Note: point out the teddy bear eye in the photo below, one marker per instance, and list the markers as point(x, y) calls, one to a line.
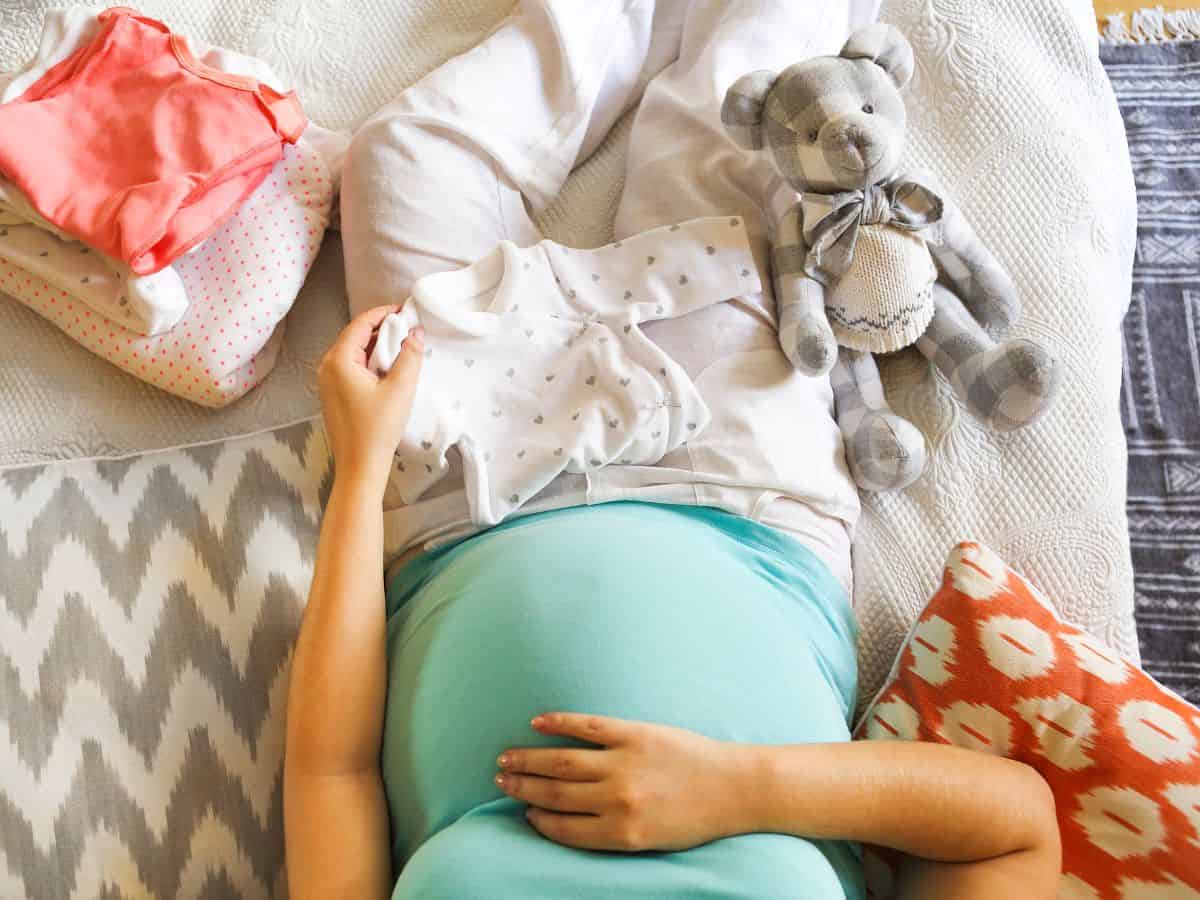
point(813, 135)
point(868, 108)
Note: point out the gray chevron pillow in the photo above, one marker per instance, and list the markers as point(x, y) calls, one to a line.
point(147, 612)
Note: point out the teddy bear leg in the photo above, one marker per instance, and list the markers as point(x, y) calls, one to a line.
point(1007, 385)
point(884, 451)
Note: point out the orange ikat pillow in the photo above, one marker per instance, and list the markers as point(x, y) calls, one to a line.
point(991, 667)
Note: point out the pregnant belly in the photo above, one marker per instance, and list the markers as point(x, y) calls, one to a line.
point(640, 612)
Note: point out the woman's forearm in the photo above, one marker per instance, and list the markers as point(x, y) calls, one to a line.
point(334, 809)
point(928, 800)
point(339, 672)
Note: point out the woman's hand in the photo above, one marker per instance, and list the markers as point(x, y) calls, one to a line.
point(365, 415)
point(970, 824)
point(649, 787)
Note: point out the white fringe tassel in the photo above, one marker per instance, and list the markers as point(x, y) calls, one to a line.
point(1153, 26)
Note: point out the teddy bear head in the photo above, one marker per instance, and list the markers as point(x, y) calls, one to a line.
point(831, 123)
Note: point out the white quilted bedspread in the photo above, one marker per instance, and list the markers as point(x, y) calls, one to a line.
point(1009, 106)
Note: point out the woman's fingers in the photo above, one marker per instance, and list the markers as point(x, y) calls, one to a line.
point(356, 336)
point(585, 832)
point(595, 729)
point(568, 765)
point(549, 793)
point(402, 377)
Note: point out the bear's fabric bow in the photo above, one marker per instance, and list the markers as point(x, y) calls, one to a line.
point(831, 221)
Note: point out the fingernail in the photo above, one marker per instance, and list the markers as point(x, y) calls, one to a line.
point(538, 721)
point(503, 760)
point(499, 779)
point(417, 336)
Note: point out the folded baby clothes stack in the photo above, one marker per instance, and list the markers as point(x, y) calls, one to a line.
point(148, 304)
point(160, 201)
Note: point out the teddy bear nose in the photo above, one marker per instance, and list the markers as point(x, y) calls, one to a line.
point(860, 146)
point(856, 146)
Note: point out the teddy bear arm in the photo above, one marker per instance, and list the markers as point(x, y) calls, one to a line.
point(971, 270)
point(804, 332)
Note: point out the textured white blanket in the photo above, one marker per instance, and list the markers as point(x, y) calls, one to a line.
point(1009, 106)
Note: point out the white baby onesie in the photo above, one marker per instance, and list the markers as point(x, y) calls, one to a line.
point(535, 363)
point(147, 304)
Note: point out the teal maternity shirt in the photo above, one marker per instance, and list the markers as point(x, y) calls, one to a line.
point(679, 615)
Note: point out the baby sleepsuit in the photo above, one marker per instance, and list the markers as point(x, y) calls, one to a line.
point(536, 364)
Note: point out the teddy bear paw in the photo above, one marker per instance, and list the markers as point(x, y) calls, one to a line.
point(885, 452)
point(810, 346)
point(1012, 385)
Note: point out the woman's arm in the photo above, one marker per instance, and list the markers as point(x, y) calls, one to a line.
point(335, 816)
point(976, 826)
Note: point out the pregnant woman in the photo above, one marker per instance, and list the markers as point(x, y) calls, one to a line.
point(648, 697)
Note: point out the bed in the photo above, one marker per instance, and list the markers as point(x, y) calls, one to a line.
point(154, 556)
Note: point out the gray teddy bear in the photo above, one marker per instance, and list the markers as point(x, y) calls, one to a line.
point(866, 260)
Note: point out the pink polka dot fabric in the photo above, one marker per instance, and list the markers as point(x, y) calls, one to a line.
point(241, 282)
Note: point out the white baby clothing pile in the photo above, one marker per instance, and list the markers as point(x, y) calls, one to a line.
point(536, 363)
point(147, 304)
point(208, 326)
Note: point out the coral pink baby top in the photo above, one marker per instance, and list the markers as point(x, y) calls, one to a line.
point(134, 147)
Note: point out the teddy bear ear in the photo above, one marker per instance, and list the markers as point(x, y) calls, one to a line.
point(886, 47)
point(742, 110)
